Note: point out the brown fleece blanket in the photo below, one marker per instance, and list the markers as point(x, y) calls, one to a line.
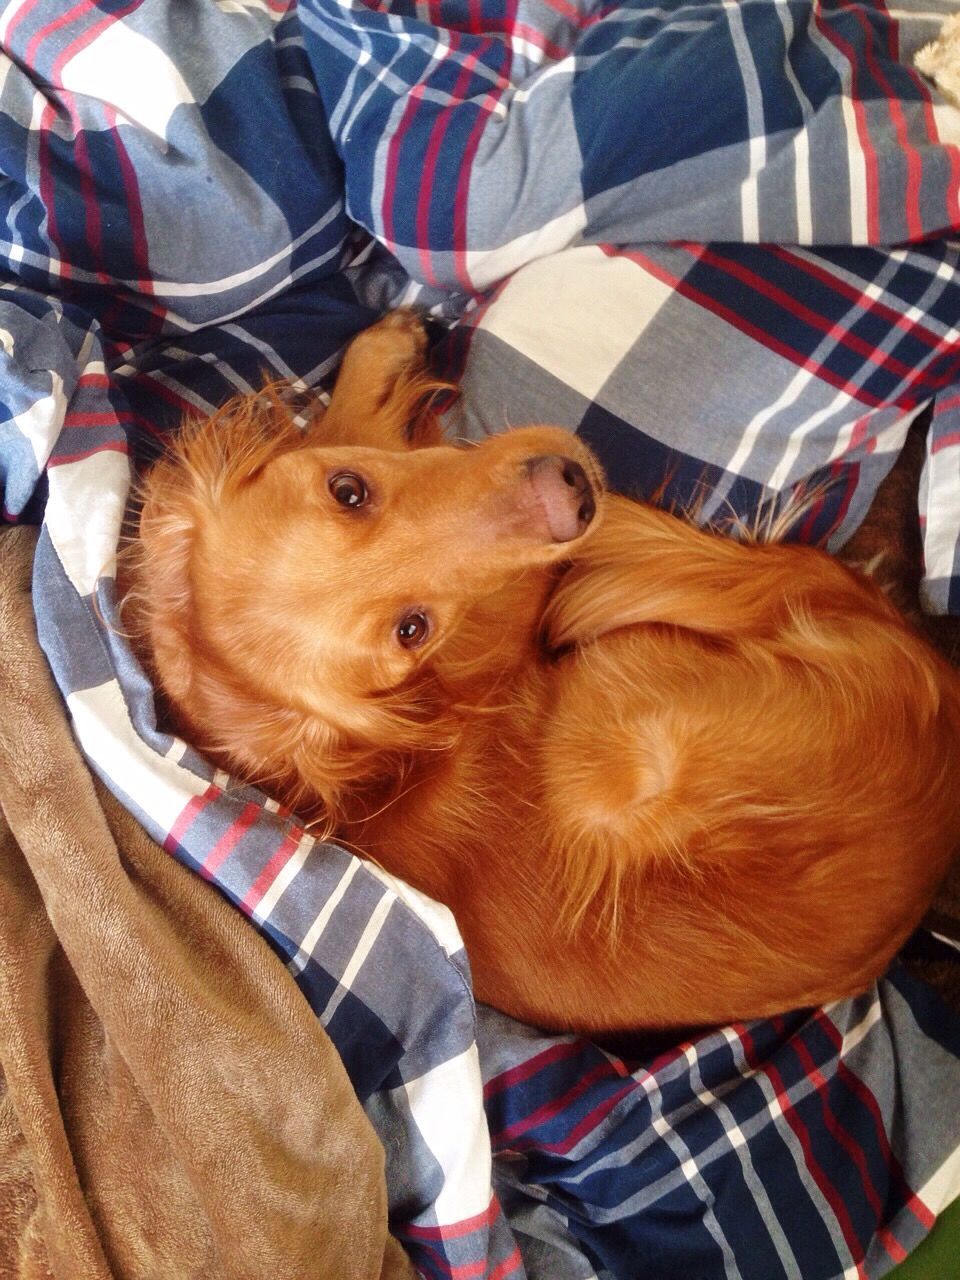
point(169, 1106)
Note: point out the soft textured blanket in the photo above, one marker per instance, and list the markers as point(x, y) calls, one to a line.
point(169, 1106)
point(178, 180)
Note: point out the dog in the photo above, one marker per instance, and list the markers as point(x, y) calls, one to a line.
point(663, 778)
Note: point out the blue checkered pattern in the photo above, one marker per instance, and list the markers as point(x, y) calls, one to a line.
point(198, 194)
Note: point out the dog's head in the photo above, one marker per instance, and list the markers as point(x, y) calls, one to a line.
point(286, 586)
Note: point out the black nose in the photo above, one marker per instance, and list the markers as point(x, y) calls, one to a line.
point(575, 476)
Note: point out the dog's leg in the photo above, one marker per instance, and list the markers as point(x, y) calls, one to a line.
point(380, 390)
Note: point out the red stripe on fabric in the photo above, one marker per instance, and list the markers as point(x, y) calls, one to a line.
point(88, 37)
point(441, 1234)
point(510, 1266)
point(270, 872)
point(853, 479)
point(863, 133)
point(530, 35)
point(547, 1110)
point(131, 189)
point(163, 392)
point(892, 1245)
point(882, 309)
point(851, 473)
point(565, 10)
point(472, 1270)
point(590, 20)
point(945, 442)
point(437, 134)
point(454, 1230)
point(799, 309)
point(63, 20)
point(580, 1130)
point(25, 8)
point(859, 434)
point(733, 318)
point(112, 446)
point(827, 1189)
point(191, 810)
point(911, 1200)
point(93, 226)
point(944, 406)
point(105, 419)
point(229, 840)
point(838, 1132)
point(462, 194)
point(93, 380)
point(393, 165)
point(914, 166)
point(516, 1075)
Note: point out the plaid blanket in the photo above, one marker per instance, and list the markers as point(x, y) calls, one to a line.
point(197, 193)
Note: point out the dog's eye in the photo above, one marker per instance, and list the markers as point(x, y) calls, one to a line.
point(347, 489)
point(413, 630)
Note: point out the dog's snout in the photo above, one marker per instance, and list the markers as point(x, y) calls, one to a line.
point(564, 494)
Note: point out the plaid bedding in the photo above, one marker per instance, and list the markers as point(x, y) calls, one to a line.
point(201, 191)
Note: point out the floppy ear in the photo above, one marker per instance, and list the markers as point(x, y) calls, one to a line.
point(383, 391)
point(210, 458)
point(647, 566)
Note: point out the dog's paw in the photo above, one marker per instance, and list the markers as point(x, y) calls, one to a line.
point(397, 343)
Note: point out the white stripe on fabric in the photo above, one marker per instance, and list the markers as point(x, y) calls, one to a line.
point(446, 1105)
point(791, 1142)
point(371, 933)
point(749, 196)
point(160, 787)
point(944, 1187)
point(788, 397)
point(690, 1171)
point(852, 1036)
point(284, 879)
point(856, 161)
point(299, 962)
point(739, 1143)
point(487, 266)
point(438, 918)
point(940, 484)
point(801, 141)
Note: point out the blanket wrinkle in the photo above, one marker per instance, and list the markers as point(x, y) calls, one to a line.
point(169, 1106)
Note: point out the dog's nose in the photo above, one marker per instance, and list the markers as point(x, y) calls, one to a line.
point(564, 493)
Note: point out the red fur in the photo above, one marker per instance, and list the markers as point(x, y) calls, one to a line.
point(661, 777)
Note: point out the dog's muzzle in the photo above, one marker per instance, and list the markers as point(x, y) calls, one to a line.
point(565, 495)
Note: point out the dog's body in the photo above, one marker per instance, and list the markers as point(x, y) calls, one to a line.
point(662, 778)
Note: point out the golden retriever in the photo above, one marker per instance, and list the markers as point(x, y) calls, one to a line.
point(663, 778)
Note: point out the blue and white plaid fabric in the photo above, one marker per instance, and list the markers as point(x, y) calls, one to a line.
point(201, 192)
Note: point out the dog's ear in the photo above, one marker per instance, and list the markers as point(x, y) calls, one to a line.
point(647, 567)
point(383, 394)
point(213, 456)
point(210, 458)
